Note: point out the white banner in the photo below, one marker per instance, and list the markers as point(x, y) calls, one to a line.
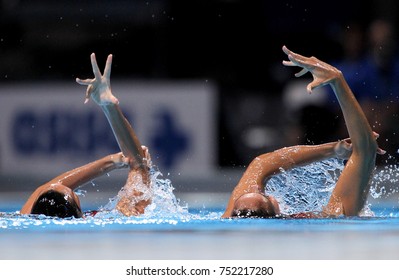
point(46, 128)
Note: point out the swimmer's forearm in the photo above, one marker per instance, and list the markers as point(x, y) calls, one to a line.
point(124, 134)
point(270, 164)
point(88, 172)
point(290, 157)
point(359, 129)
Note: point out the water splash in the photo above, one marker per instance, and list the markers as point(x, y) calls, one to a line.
point(385, 182)
point(307, 188)
point(299, 190)
point(163, 201)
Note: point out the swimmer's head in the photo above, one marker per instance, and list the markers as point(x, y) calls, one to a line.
point(53, 203)
point(255, 205)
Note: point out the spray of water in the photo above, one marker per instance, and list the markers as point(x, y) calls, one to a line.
point(299, 190)
point(163, 201)
point(385, 183)
point(307, 188)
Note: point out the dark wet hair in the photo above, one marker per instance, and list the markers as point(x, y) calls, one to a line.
point(56, 204)
point(251, 213)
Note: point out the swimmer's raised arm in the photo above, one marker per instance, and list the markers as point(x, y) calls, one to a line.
point(131, 201)
point(353, 185)
point(99, 89)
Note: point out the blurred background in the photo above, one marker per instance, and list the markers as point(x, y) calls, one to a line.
point(201, 81)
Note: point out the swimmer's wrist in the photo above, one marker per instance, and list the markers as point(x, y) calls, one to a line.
point(338, 80)
point(118, 160)
point(330, 150)
point(140, 166)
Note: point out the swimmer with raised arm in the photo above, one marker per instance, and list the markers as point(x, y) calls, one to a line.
point(57, 198)
point(248, 198)
point(136, 194)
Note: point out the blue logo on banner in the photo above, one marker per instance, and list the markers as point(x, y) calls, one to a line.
point(61, 132)
point(65, 132)
point(169, 141)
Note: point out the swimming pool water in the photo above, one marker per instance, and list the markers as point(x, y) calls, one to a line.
point(172, 231)
point(203, 235)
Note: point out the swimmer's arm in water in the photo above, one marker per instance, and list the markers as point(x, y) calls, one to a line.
point(78, 176)
point(267, 165)
point(99, 89)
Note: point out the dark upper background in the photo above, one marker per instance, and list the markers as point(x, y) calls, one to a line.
point(235, 43)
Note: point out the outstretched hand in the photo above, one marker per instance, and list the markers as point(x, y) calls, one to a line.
point(322, 72)
point(120, 160)
point(99, 88)
point(343, 148)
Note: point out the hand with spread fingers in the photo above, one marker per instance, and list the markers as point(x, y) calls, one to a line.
point(322, 72)
point(99, 88)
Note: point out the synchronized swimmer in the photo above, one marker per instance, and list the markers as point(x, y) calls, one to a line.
point(248, 199)
point(56, 197)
